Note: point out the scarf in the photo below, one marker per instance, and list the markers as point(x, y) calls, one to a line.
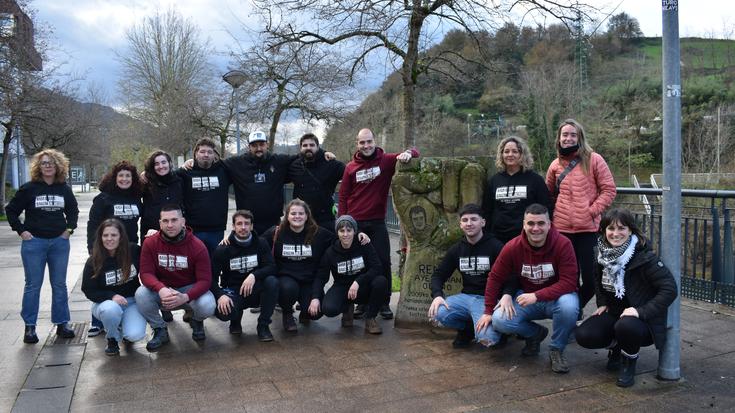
point(614, 260)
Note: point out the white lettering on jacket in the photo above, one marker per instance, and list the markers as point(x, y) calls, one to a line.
point(125, 211)
point(296, 252)
point(244, 264)
point(114, 277)
point(205, 183)
point(474, 265)
point(50, 202)
point(351, 267)
point(538, 274)
point(367, 175)
point(173, 262)
point(511, 194)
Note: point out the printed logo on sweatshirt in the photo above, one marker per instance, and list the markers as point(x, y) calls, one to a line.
point(511, 194)
point(474, 265)
point(259, 178)
point(173, 262)
point(367, 175)
point(351, 267)
point(115, 277)
point(538, 274)
point(608, 284)
point(125, 211)
point(50, 202)
point(296, 252)
point(205, 183)
point(244, 264)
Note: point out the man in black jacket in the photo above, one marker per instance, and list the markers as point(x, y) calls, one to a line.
point(244, 277)
point(473, 256)
point(315, 179)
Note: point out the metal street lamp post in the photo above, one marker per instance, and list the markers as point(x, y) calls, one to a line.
point(236, 78)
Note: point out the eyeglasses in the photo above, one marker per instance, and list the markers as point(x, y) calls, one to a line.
point(47, 163)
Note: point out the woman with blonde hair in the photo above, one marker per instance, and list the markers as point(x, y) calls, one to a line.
point(51, 214)
point(581, 188)
point(512, 189)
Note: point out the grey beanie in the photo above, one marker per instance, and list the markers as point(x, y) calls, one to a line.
point(345, 218)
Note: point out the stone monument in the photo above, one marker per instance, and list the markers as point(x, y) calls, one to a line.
point(427, 193)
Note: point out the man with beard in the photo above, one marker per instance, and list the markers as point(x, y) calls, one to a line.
point(205, 194)
point(314, 180)
point(364, 195)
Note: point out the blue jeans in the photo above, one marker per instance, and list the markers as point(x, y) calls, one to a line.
point(36, 253)
point(563, 311)
point(149, 305)
point(211, 240)
point(116, 318)
point(464, 308)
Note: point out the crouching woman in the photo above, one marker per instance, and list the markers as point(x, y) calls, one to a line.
point(357, 278)
point(634, 290)
point(109, 280)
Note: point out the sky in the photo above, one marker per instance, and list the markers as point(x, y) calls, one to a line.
point(88, 34)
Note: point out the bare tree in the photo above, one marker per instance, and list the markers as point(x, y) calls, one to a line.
point(304, 79)
point(164, 69)
point(365, 27)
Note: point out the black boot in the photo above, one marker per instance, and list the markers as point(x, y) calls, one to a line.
point(197, 330)
point(112, 349)
point(160, 337)
point(626, 377)
point(63, 331)
point(30, 336)
point(613, 359)
point(464, 336)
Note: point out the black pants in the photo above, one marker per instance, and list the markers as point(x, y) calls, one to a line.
point(378, 233)
point(264, 295)
point(599, 331)
point(290, 291)
point(584, 244)
point(335, 300)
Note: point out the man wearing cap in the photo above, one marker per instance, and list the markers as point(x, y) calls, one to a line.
point(363, 194)
point(314, 180)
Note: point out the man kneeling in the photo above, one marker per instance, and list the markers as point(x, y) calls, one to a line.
point(175, 271)
point(472, 255)
point(543, 261)
point(244, 277)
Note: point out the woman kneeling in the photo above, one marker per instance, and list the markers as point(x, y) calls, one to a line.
point(357, 278)
point(110, 279)
point(634, 290)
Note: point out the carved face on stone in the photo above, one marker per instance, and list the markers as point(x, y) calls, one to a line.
point(418, 218)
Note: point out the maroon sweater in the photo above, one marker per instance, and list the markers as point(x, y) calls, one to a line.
point(549, 271)
point(365, 184)
point(166, 264)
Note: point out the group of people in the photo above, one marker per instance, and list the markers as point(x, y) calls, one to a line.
point(518, 269)
point(521, 268)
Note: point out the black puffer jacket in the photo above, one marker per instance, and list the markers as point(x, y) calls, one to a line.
point(649, 288)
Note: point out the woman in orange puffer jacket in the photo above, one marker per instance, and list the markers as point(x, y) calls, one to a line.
point(581, 188)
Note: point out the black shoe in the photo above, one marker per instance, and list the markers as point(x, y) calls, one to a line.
point(255, 310)
point(197, 330)
point(626, 377)
point(348, 317)
point(359, 311)
point(558, 361)
point(112, 348)
point(187, 315)
point(94, 331)
point(289, 323)
point(30, 336)
point(63, 331)
point(533, 343)
point(264, 333)
point(613, 359)
point(167, 316)
point(385, 312)
point(465, 336)
point(235, 327)
point(160, 337)
point(304, 318)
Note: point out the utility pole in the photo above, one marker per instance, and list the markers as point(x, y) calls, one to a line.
point(669, 356)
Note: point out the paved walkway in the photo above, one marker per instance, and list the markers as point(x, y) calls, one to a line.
point(327, 368)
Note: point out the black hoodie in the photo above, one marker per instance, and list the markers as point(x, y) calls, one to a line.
point(472, 261)
point(314, 183)
point(293, 256)
point(49, 209)
point(108, 282)
point(233, 263)
point(258, 185)
point(205, 197)
point(165, 190)
point(358, 263)
point(120, 204)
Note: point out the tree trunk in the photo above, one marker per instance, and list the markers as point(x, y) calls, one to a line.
point(4, 163)
point(409, 74)
point(276, 118)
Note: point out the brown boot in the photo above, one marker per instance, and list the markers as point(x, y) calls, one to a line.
point(348, 316)
point(372, 327)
